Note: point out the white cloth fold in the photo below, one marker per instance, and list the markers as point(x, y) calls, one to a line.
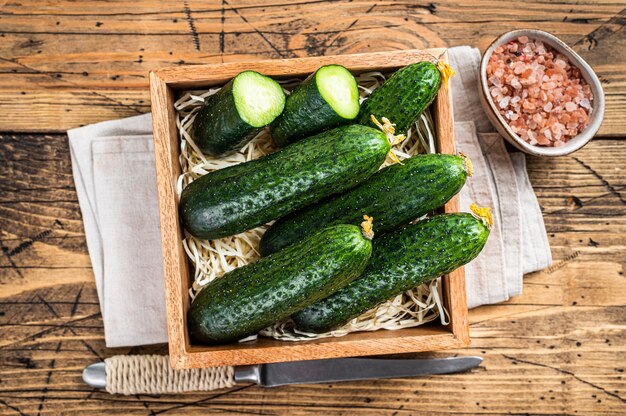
point(113, 167)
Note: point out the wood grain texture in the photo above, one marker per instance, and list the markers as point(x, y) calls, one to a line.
point(68, 63)
point(557, 349)
point(165, 84)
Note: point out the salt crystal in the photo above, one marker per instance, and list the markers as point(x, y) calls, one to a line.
point(542, 140)
point(528, 105)
point(570, 106)
point(547, 133)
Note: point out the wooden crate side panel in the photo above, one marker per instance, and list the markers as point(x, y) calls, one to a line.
point(427, 338)
point(175, 264)
point(209, 75)
point(454, 283)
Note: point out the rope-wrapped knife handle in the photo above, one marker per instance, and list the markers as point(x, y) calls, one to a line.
point(152, 374)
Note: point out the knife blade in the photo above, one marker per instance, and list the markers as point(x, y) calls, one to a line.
point(323, 371)
point(349, 369)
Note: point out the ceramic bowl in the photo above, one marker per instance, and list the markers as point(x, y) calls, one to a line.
point(500, 123)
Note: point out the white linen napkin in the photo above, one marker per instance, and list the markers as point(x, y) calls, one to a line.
point(114, 172)
point(113, 167)
point(518, 223)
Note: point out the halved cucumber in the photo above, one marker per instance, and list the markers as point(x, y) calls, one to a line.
point(236, 113)
point(326, 99)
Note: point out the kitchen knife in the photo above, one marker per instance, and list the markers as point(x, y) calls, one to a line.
point(279, 374)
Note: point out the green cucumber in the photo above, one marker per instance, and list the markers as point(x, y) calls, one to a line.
point(326, 99)
point(403, 97)
point(393, 196)
point(235, 114)
point(400, 261)
point(252, 297)
point(234, 199)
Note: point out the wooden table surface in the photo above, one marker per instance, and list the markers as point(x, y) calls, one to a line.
point(560, 348)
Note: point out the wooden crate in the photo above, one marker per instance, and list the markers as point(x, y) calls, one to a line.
point(165, 84)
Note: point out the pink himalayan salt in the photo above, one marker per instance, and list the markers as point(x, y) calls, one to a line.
point(542, 96)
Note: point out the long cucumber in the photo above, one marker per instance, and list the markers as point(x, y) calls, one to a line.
point(403, 97)
point(231, 200)
point(252, 297)
point(400, 261)
point(393, 196)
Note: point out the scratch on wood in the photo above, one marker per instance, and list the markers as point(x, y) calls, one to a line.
point(587, 202)
point(14, 408)
point(606, 183)
point(562, 263)
point(257, 31)
point(603, 31)
point(347, 28)
point(14, 267)
point(29, 242)
point(201, 401)
point(67, 325)
point(569, 373)
point(192, 26)
point(76, 301)
point(52, 365)
point(222, 32)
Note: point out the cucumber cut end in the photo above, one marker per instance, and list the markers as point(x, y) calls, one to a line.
point(339, 89)
point(259, 99)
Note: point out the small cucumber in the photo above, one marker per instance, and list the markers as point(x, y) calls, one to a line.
point(403, 97)
point(235, 114)
point(401, 261)
point(326, 99)
point(231, 200)
point(252, 297)
point(393, 196)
